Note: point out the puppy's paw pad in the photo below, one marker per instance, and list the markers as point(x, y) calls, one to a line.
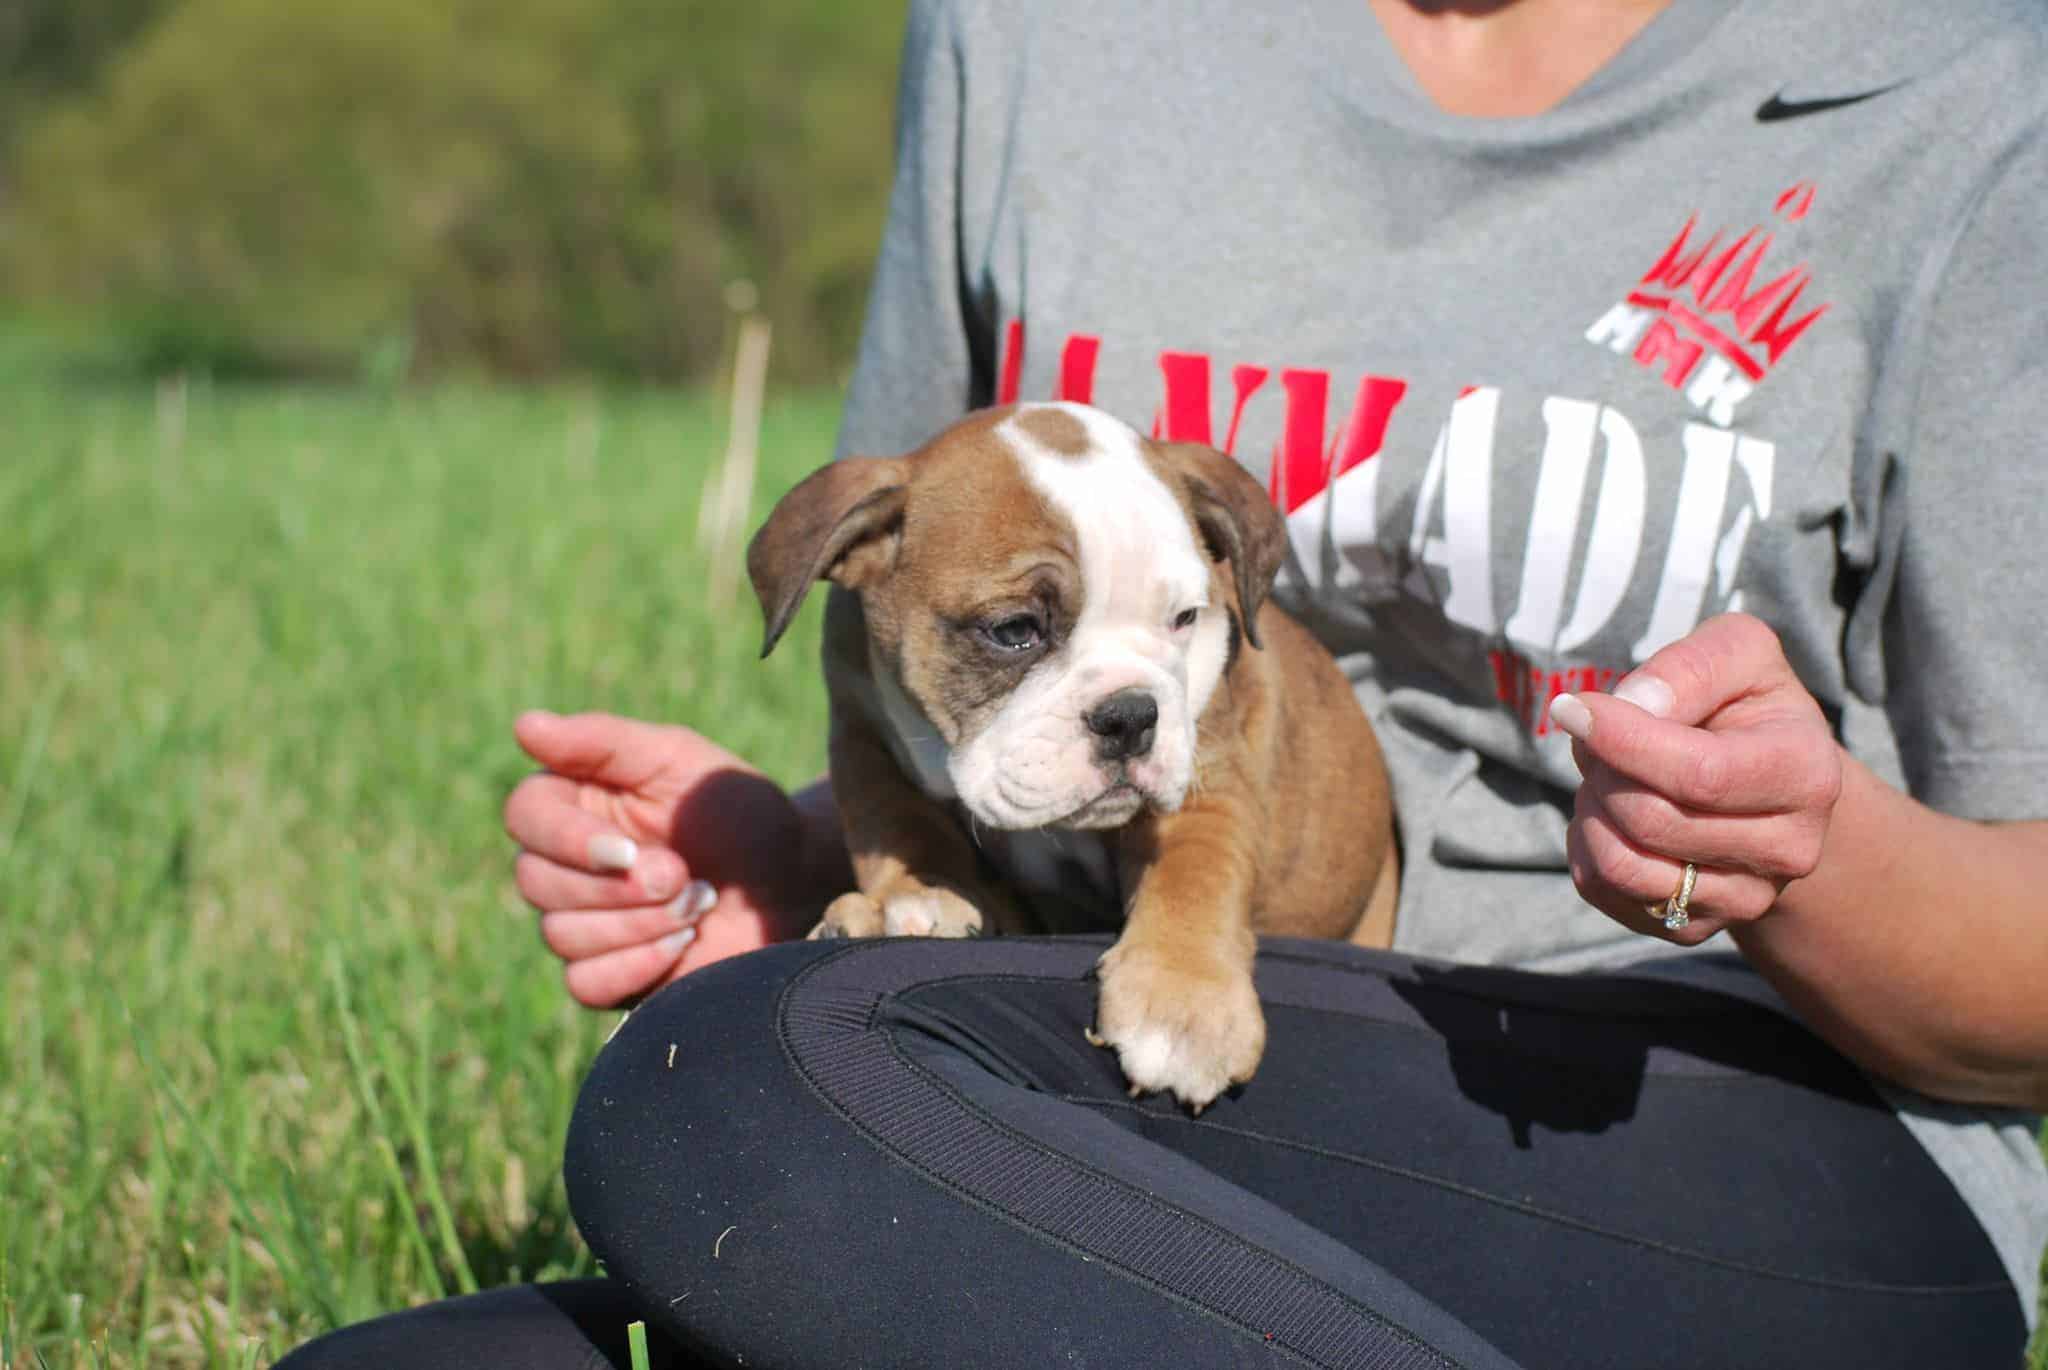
point(911, 915)
point(930, 913)
point(850, 915)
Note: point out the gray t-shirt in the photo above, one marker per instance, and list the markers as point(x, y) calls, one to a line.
point(1757, 318)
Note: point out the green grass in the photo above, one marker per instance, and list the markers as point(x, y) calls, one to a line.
point(280, 1048)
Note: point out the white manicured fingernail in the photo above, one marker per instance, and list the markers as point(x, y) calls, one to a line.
point(698, 898)
point(611, 852)
point(673, 944)
point(1570, 713)
point(1647, 693)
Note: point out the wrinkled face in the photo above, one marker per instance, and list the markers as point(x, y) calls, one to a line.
point(1052, 628)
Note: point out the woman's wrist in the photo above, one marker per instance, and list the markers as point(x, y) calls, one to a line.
point(1915, 946)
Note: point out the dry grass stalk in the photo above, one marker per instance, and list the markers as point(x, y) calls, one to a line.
point(723, 517)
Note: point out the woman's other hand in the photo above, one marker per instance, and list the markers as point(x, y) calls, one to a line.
point(651, 851)
point(1710, 752)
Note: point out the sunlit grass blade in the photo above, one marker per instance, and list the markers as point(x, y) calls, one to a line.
point(636, 1343)
point(6, 1294)
point(380, 1133)
point(252, 1223)
point(23, 783)
point(414, 1117)
point(306, 1232)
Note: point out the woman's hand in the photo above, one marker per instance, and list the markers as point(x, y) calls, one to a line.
point(1910, 939)
point(1710, 752)
point(650, 851)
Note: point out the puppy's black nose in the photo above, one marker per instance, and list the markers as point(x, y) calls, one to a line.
point(1124, 723)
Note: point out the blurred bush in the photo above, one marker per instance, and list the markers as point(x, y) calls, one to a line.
point(50, 48)
point(399, 186)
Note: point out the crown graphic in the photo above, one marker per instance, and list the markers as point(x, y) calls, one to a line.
point(1709, 291)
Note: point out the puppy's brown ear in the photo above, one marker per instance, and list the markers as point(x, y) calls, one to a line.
point(839, 523)
point(1236, 520)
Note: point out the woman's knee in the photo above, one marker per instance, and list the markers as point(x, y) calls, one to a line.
point(693, 1077)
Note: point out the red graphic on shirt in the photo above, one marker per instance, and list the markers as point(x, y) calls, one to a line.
point(1701, 318)
point(1303, 464)
point(1527, 689)
point(1795, 200)
point(1593, 516)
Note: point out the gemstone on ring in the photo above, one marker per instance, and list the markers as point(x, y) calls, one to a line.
point(1674, 911)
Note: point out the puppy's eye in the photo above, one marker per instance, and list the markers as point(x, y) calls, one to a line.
point(1017, 633)
point(1185, 619)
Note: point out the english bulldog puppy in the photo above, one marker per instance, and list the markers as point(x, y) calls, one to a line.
point(1060, 700)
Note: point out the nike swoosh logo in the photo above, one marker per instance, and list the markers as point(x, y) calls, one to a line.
point(1778, 108)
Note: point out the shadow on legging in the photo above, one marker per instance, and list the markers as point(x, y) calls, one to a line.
point(1581, 1068)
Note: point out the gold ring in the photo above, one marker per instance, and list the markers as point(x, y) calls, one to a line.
point(1673, 910)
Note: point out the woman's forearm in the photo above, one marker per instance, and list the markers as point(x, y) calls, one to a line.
point(1919, 946)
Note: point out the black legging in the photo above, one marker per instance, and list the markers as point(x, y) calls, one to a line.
point(904, 1153)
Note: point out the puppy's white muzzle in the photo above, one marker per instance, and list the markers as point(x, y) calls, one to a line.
point(1078, 748)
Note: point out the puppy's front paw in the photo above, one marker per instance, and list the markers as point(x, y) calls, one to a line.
point(1178, 1022)
point(929, 912)
point(919, 911)
point(852, 914)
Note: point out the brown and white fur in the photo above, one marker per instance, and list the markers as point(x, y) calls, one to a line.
point(1060, 700)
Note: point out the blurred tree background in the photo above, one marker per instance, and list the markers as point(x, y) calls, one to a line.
point(413, 187)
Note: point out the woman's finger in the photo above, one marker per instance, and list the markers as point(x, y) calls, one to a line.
point(1770, 767)
point(1779, 846)
point(580, 934)
point(618, 976)
point(606, 749)
point(1727, 658)
point(552, 887)
point(1625, 883)
point(543, 815)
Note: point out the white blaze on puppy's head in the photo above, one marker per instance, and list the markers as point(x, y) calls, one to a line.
point(1104, 723)
point(1039, 612)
